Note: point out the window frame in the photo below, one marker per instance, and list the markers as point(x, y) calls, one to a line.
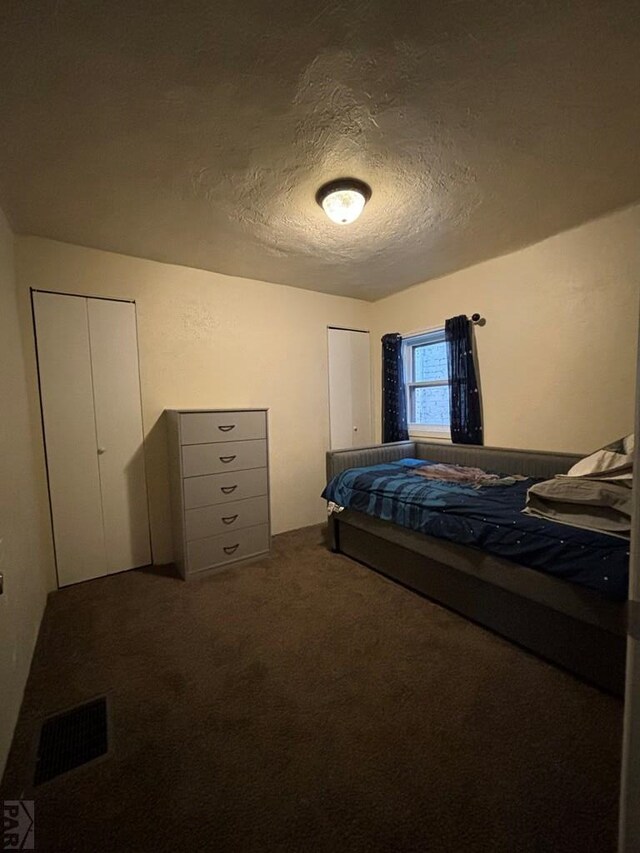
point(409, 343)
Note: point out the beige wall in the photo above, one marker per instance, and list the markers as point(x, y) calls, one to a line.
point(214, 340)
point(557, 353)
point(26, 559)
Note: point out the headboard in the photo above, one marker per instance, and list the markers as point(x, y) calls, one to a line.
point(530, 463)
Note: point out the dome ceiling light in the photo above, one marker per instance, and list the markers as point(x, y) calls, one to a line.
point(343, 200)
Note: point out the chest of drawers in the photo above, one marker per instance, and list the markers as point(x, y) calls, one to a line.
point(219, 473)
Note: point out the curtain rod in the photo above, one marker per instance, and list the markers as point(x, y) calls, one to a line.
point(476, 319)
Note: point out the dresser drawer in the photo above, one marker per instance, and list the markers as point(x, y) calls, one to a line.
point(222, 488)
point(199, 459)
point(205, 427)
point(236, 545)
point(213, 520)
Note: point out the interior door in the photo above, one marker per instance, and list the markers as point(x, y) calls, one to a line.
point(351, 423)
point(90, 393)
point(66, 392)
point(116, 393)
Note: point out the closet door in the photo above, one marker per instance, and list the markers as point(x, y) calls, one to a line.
point(361, 389)
point(90, 392)
point(349, 388)
point(116, 391)
point(64, 366)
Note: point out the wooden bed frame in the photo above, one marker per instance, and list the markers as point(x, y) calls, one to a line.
point(567, 624)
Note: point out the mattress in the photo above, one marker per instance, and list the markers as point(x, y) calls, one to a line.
point(489, 518)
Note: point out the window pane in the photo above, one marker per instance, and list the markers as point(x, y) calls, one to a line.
point(430, 362)
point(431, 405)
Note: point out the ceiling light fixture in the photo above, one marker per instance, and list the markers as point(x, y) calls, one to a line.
point(343, 200)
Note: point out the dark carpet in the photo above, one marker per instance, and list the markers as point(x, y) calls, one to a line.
point(305, 703)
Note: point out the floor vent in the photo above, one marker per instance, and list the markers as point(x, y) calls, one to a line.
point(71, 739)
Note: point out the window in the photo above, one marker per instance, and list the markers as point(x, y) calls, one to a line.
point(427, 383)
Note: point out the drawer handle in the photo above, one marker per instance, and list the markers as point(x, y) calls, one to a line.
point(226, 490)
point(226, 427)
point(226, 459)
point(229, 519)
point(230, 549)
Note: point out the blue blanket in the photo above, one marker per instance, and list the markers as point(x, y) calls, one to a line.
point(489, 518)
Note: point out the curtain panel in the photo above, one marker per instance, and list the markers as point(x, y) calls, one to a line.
point(464, 401)
point(394, 403)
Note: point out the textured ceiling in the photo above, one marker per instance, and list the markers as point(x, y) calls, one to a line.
point(198, 132)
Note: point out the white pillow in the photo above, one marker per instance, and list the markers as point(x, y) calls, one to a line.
point(612, 462)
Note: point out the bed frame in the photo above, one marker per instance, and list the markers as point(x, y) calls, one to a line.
point(567, 624)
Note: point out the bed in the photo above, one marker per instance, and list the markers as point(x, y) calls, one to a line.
point(556, 590)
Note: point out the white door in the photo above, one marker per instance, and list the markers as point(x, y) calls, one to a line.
point(90, 393)
point(66, 392)
point(349, 388)
point(116, 392)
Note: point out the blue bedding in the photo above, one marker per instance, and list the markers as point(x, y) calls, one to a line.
point(489, 518)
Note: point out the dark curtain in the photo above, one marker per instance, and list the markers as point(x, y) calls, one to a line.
point(394, 404)
point(464, 396)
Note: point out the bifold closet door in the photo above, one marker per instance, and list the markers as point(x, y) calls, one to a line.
point(66, 392)
point(349, 388)
point(116, 393)
point(89, 387)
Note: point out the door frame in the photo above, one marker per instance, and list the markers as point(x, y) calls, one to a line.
point(33, 290)
point(629, 814)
